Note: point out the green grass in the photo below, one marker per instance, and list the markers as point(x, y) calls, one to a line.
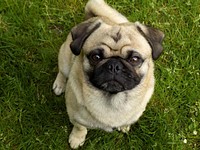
point(32, 117)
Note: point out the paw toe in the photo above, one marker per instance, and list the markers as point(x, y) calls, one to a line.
point(124, 129)
point(76, 142)
point(58, 88)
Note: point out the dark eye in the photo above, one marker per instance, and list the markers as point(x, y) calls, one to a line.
point(96, 57)
point(135, 60)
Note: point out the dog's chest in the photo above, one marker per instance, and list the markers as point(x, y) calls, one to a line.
point(116, 112)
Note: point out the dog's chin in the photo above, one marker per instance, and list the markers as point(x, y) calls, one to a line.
point(112, 87)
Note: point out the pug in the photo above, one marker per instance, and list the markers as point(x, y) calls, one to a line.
point(106, 70)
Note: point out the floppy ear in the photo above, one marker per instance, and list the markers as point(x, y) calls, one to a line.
point(80, 33)
point(154, 38)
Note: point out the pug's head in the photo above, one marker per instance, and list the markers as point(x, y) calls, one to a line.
point(116, 57)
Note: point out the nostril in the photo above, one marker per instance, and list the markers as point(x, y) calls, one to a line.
point(115, 68)
point(111, 68)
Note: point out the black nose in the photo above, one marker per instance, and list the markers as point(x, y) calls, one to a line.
point(114, 66)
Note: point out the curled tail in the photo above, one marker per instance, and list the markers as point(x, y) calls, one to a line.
point(100, 8)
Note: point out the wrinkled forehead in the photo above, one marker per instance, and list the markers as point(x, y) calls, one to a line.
point(117, 40)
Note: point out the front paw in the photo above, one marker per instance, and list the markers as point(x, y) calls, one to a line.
point(77, 138)
point(59, 84)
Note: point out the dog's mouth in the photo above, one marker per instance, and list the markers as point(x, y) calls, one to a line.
point(112, 86)
point(114, 76)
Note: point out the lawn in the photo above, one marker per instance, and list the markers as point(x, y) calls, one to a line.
point(33, 118)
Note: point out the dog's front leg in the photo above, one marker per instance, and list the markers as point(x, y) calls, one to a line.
point(59, 84)
point(65, 59)
point(77, 136)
